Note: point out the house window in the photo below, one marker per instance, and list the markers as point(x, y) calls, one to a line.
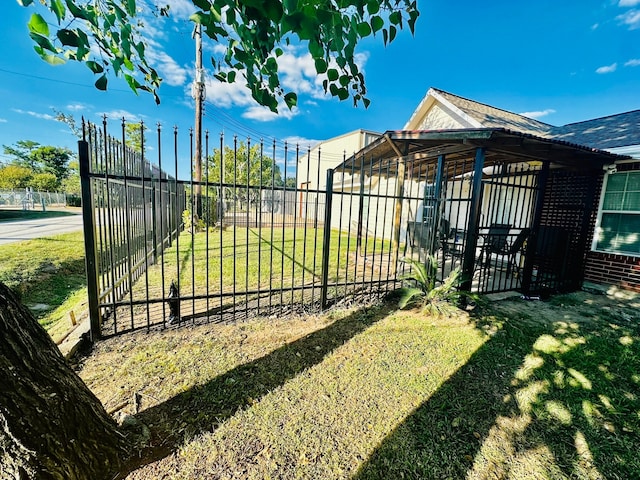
point(619, 219)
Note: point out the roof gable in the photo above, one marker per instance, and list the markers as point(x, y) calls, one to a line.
point(440, 110)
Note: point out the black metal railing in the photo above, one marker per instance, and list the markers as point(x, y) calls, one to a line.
point(272, 229)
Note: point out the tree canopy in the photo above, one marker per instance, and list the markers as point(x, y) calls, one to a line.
point(108, 37)
point(241, 162)
point(43, 167)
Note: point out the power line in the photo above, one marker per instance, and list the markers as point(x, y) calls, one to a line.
point(37, 77)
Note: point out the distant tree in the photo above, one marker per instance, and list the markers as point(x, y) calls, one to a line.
point(21, 153)
point(290, 182)
point(134, 135)
point(71, 185)
point(40, 158)
point(54, 160)
point(14, 177)
point(44, 182)
point(261, 169)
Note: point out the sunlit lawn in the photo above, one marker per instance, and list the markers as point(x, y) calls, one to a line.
point(48, 273)
point(524, 390)
point(256, 258)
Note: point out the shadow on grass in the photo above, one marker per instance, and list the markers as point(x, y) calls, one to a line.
point(204, 407)
point(12, 215)
point(547, 400)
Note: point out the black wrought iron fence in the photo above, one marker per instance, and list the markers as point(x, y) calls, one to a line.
point(268, 231)
point(253, 236)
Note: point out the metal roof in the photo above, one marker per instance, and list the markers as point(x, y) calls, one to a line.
point(420, 148)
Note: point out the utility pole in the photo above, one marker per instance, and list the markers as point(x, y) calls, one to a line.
point(199, 96)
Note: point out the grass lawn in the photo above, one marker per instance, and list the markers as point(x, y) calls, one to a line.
point(49, 275)
point(520, 390)
point(241, 260)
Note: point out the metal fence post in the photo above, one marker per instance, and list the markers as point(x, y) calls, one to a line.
point(89, 240)
point(469, 255)
point(326, 240)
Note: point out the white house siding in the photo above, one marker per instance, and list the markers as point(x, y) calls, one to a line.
point(312, 167)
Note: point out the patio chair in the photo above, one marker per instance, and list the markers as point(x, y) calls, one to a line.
point(495, 242)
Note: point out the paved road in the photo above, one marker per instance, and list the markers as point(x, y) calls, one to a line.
point(19, 230)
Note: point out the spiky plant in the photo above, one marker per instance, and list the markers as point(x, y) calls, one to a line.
point(423, 291)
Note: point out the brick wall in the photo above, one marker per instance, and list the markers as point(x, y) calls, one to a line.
point(612, 269)
point(608, 268)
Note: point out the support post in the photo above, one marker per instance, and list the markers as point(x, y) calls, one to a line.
point(91, 266)
point(527, 271)
point(360, 214)
point(326, 248)
point(469, 254)
point(397, 217)
point(437, 207)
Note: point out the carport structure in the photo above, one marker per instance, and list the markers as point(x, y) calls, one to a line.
point(513, 211)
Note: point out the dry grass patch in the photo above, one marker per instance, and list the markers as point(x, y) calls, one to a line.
point(521, 390)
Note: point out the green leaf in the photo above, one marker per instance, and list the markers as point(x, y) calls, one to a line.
point(343, 93)
point(376, 23)
point(50, 59)
point(332, 74)
point(321, 65)
point(373, 7)
point(133, 83)
point(291, 99)
point(392, 33)
point(408, 296)
point(38, 25)
point(94, 67)
point(25, 3)
point(43, 42)
point(67, 37)
point(395, 18)
point(364, 30)
point(231, 76)
point(199, 17)
point(290, 5)
point(131, 7)
point(75, 10)
point(101, 83)
point(203, 5)
point(366, 102)
point(58, 9)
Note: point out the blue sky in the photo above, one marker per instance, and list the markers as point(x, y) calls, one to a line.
point(558, 61)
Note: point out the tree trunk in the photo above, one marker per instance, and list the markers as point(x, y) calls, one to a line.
point(51, 425)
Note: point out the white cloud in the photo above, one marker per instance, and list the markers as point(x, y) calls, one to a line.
point(43, 116)
point(120, 114)
point(263, 114)
point(607, 68)
point(170, 71)
point(76, 107)
point(3, 120)
point(297, 73)
point(539, 113)
point(634, 62)
point(628, 3)
point(630, 19)
point(595, 26)
point(180, 8)
point(302, 142)
point(227, 95)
